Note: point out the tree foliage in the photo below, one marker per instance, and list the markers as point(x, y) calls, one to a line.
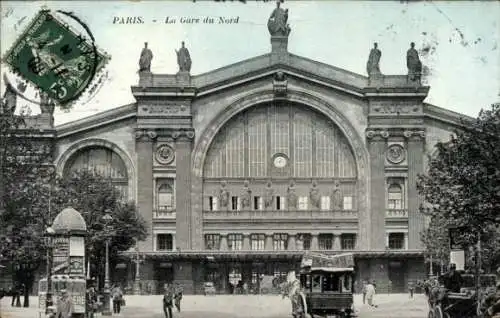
point(462, 187)
point(32, 194)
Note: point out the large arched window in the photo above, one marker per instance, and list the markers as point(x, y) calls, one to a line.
point(311, 145)
point(103, 161)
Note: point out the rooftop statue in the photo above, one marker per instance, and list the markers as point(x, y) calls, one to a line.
point(372, 66)
point(183, 59)
point(277, 23)
point(413, 63)
point(145, 59)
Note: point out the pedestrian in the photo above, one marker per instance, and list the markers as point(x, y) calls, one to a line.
point(178, 296)
point(117, 299)
point(411, 289)
point(363, 290)
point(91, 303)
point(370, 293)
point(168, 300)
point(65, 306)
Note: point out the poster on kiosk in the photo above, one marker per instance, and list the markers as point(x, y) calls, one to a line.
point(457, 252)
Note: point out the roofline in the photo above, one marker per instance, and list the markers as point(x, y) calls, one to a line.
point(446, 116)
point(97, 120)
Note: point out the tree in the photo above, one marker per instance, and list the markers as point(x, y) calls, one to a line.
point(462, 187)
point(94, 196)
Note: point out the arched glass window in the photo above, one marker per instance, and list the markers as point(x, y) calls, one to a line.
point(102, 161)
point(166, 197)
point(395, 197)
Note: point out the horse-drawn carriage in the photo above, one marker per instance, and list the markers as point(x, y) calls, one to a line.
point(469, 303)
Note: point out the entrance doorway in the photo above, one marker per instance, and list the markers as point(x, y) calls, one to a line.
point(164, 274)
point(397, 271)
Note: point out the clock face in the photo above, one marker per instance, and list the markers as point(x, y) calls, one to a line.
point(280, 161)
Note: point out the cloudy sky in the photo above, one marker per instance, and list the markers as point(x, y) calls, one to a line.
point(461, 41)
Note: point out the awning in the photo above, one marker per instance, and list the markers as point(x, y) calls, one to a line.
point(263, 256)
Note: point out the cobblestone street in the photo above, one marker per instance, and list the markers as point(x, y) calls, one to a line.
point(393, 306)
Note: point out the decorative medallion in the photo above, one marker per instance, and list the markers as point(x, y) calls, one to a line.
point(396, 154)
point(280, 160)
point(165, 154)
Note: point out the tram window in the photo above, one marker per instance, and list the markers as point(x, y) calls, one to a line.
point(331, 283)
point(316, 283)
point(347, 283)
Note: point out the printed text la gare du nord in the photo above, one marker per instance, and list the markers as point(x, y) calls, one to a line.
point(174, 19)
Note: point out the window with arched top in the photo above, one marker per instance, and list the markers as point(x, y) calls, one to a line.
point(102, 161)
point(395, 196)
point(166, 195)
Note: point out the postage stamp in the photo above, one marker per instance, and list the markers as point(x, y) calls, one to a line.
point(53, 57)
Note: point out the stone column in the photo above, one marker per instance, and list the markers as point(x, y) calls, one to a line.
point(314, 242)
point(184, 227)
point(336, 242)
point(246, 241)
point(377, 148)
point(145, 188)
point(291, 242)
point(387, 240)
point(416, 220)
point(269, 246)
point(406, 241)
point(223, 242)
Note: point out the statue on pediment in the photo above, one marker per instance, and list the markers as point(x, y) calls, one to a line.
point(291, 196)
point(223, 195)
point(413, 63)
point(9, 99)
point(372, 66)
point(277, 23)
point(47, 104)
point(246, 197)
point(183, 59)
point(145, 59)
point(269, 195)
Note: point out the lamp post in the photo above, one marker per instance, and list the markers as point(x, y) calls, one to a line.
point(138, 259)
point(49, 242)
point(107, 292)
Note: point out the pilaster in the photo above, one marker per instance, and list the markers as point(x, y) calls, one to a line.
point(336, 242)
point(246, 241)
point(269, 242)
point(223, 242)
point(416, 221)
point(292, 246)
point(314, 242)
point(376, 146)
point(144, 150)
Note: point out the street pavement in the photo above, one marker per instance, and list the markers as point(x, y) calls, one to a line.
point(240, 306)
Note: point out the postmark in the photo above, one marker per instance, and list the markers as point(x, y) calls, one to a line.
point(54, 58)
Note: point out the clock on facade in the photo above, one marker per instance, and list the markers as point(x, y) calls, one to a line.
point(280, 161)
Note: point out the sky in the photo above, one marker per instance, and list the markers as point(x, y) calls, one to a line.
point(461, 42)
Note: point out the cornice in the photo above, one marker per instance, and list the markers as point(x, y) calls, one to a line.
point(96, 121)
point(181, 134)
point(382, 134)
point(446, 116)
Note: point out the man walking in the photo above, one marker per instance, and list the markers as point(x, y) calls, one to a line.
point(370, 293)
point(363, 290)
point(411, 289)
point(64, 307)
point(178, 296)
point(168, 300)
point(117, 299)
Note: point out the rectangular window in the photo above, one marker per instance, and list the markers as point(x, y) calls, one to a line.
point(302, 203)
point(325, 241)
point(257, 241)
point(235, 203)
point(212, 241)
point(280, 203)
point(165, 195)
point(347, 203)
point(396, 241)
point(164, 242)
point(348, 241)
point(325, 203)
point(280, 241)
point(213, 204)
point(235, 242)
point(258, 203)
point(303, 241)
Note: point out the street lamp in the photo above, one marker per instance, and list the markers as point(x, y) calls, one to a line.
point(107, 293)
point(49, 232)
point(138, 259)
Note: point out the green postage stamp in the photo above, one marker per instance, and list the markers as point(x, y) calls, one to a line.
point(56, 59)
